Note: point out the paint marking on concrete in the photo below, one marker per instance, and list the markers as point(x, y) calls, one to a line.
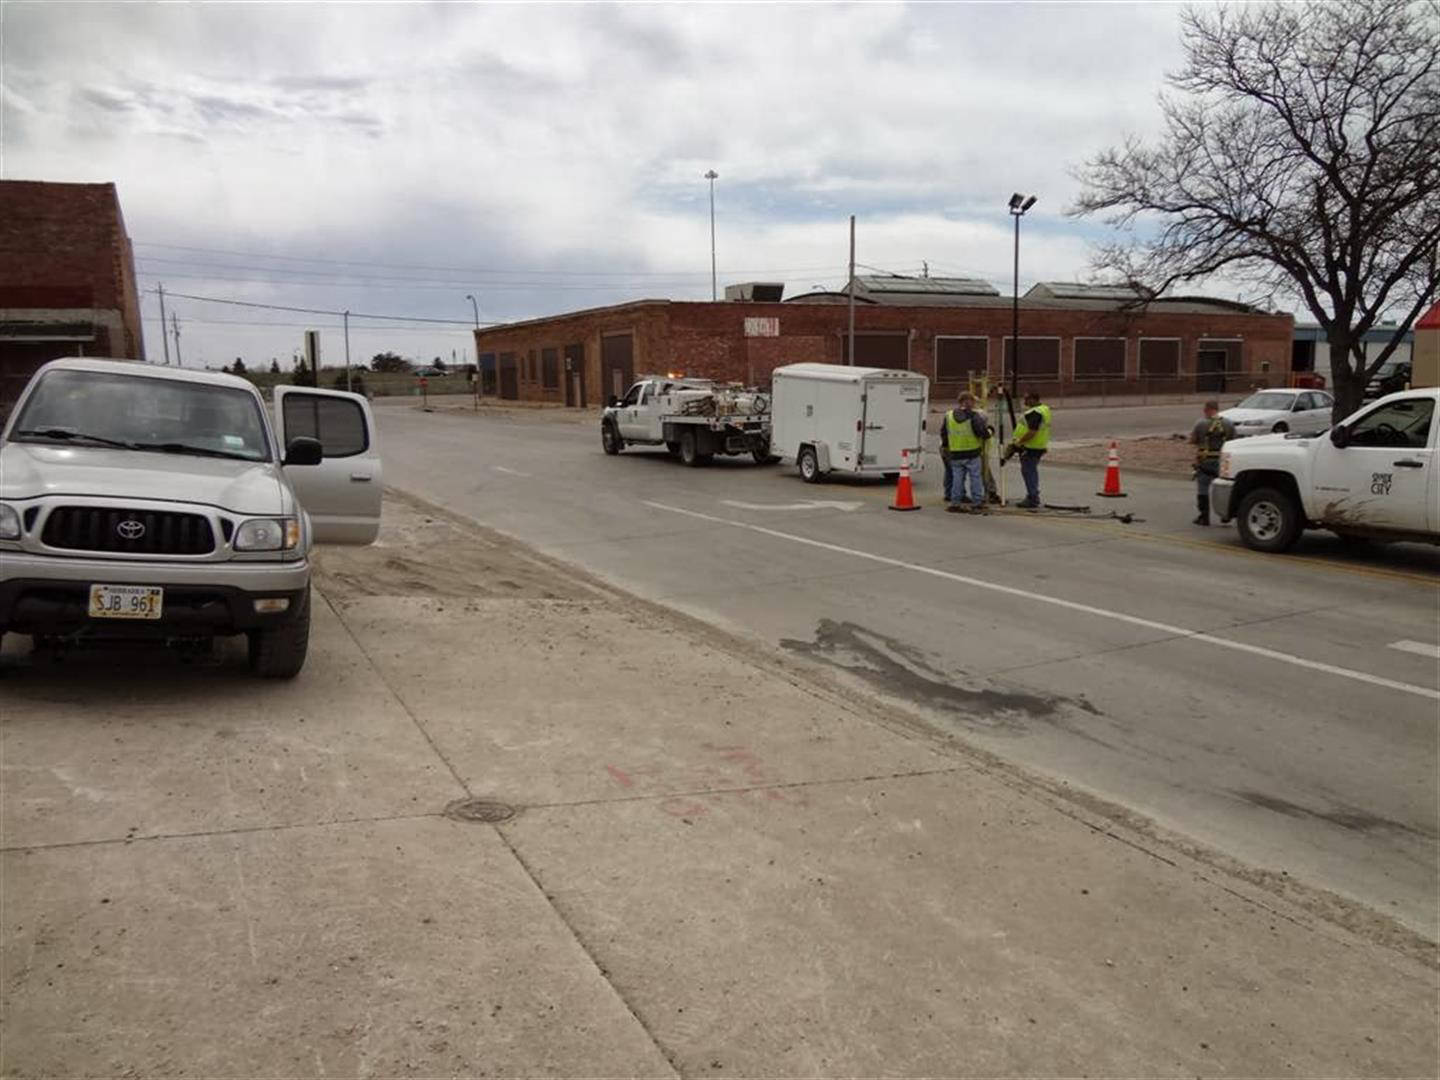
point(809, 504)
point(1071, 605)
point(1419, 648)
point(510, 472)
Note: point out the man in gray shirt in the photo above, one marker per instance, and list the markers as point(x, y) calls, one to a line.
point(1208, 435)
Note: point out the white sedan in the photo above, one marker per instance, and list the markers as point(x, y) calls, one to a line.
point(1304, 412)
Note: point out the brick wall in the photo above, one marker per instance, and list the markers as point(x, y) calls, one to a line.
point(709, 340)
point(64, 258)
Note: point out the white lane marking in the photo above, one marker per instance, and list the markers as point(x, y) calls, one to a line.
point(812, 504)
point(509, 472)
point(1419, 648)
point(1071, 605)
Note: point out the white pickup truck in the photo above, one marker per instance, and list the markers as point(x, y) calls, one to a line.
point(694, 419)
point(1373, 476)
point(161, 504)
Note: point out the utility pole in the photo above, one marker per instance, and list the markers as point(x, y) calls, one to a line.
point(347, 348)
point(850, 355)
point(175, 322)
point(712, 176)
point(164, 336)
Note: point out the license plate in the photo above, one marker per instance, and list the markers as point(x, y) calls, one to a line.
point(126, 601)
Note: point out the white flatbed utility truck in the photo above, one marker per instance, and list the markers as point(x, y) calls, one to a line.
point(1373, 476)
point(859, 421)
point(694, 419)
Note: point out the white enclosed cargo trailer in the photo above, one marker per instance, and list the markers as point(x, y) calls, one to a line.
point(834, 418)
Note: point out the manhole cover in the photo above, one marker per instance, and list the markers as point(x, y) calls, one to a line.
point(479, 810)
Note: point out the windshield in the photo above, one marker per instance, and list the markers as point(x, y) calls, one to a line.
point(133, 412)
point(1272, 401)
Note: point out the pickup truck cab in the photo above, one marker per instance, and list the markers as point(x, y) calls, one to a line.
point(1373, 476)
point(158, 503)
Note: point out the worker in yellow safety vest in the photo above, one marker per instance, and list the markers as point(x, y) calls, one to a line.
point(1032, 436)
point(964, 438)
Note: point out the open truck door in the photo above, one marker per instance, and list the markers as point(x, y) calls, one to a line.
point(342, 493)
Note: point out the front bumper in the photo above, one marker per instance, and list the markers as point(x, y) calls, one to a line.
point(1222, 493)
point(42, 594)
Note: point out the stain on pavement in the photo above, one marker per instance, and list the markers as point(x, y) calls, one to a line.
point(902, 671)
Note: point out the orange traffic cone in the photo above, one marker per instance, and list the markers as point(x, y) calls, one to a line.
point(904, 494)
point(1111, 490)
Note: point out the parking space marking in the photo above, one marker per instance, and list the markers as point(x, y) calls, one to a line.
point(1419, 648)
point(1069, 605)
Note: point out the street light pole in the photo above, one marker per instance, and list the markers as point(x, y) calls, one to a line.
point(712, 176)
point(475, 307)
point(1018, 205)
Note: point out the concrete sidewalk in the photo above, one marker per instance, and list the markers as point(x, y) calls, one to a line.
point(717, 866)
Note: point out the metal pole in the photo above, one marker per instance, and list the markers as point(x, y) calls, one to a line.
point(347, 351)
point(712, 176)
point(850, 355)
point(175, 322)
point(1015, 359)
point(164, 336)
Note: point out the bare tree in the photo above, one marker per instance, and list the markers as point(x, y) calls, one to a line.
point(1300, 154)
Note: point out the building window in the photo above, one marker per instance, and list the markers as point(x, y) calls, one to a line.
point(1039, 357)
point(1099, 358)
point(957, 358)
point(550, 368)
point(1159, 356)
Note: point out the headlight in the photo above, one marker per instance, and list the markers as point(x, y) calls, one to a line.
point(9, 523)
point(1225, 464)
point(267, 534)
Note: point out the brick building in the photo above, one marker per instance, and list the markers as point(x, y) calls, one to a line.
point(1074, 339)
point(67, 278)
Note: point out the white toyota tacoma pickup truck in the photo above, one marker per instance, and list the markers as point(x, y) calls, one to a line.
point(158, 503)
point(1372, 476)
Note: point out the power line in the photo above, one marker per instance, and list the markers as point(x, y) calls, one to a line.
point(398, 283)
point(453, 269)
point(323, 311)
point(260, 325)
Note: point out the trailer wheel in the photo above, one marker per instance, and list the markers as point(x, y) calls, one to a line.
point(809, 466)
point(690, 450)
point(610, 438)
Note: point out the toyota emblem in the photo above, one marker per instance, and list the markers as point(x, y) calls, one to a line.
point(130, 529)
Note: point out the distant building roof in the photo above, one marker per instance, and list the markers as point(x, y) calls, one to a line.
point(923, 291)
point(1066, 290)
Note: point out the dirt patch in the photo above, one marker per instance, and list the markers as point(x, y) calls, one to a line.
point(420, 553)
point(1171, 454)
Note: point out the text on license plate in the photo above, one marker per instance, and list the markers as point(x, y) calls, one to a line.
point(126, 601)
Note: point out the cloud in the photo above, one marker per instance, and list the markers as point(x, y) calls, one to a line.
point(558, 150)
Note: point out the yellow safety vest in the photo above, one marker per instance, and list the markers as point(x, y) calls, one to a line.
point(1041, 438)
point(960, 437)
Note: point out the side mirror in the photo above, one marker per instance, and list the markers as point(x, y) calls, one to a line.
point(612, 401)
point(1340, 436)
point(304, 450)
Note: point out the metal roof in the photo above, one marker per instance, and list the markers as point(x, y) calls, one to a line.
point(1067, 290)
point(843, 373)
point(932, 286)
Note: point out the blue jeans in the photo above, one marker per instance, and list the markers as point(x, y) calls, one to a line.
point(949, 478)
point(966, 474)
point(1030, 473)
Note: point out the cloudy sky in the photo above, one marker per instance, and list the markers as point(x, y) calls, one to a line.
point(391, 158)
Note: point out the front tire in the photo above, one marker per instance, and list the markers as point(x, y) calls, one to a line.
point(1269, 520)
point(809, 465)
point(278, 652)
point(610, 439)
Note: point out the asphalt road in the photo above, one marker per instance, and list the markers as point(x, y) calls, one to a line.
point(1256, 704)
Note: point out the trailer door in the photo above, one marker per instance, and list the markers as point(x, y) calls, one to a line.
point(893, 411)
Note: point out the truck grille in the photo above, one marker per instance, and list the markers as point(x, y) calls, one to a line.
point(131, 532)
